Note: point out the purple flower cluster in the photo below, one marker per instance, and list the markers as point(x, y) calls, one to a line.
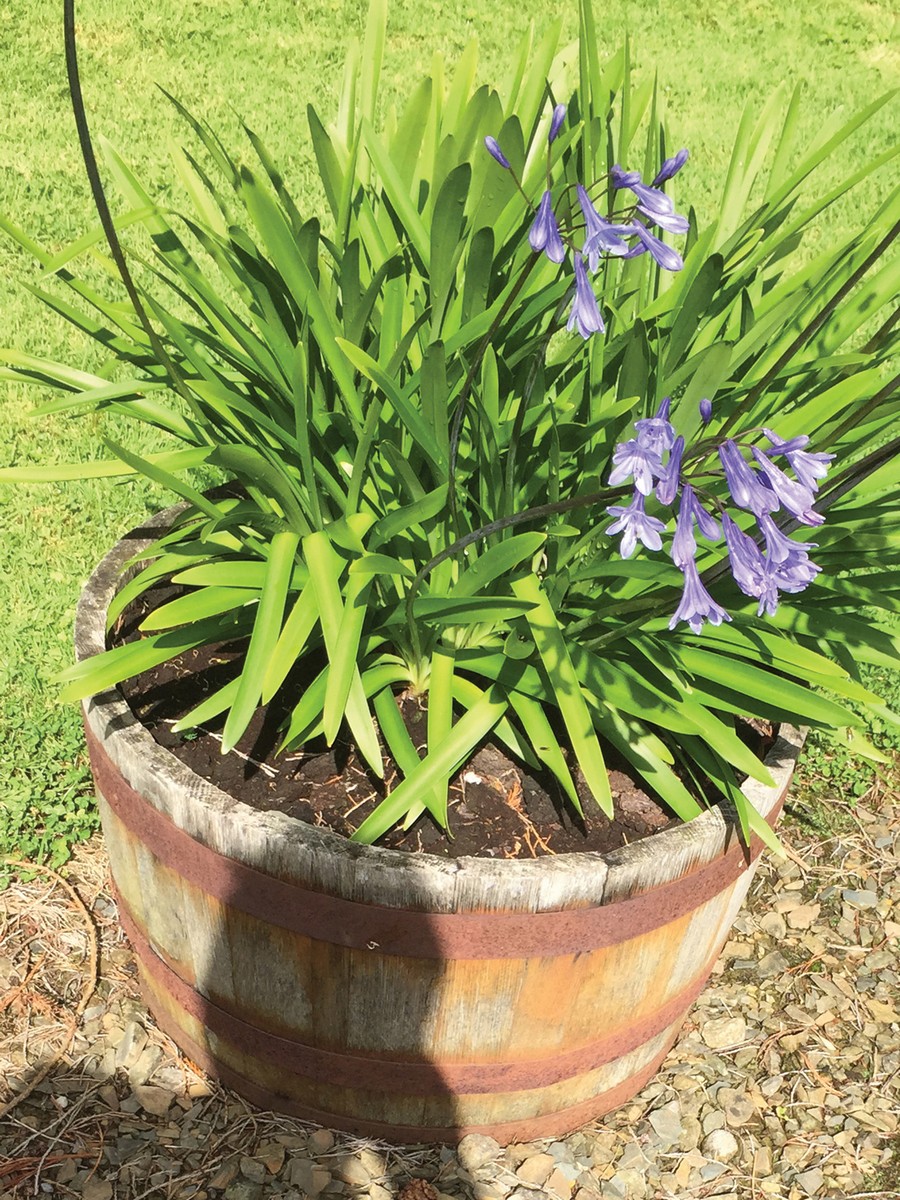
point(762, 566)
point(601, 237)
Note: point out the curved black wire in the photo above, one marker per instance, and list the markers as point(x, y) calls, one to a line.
point(102, 205)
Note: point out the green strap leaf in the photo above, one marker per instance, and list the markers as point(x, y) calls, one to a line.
point(554, 653)
point(266, 629)
point(325, 568)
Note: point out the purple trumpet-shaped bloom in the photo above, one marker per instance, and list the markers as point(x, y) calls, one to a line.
point(760, 575)
point(670, 167)
point(795, 573)
point(585, 315)
point(631, 459)
point(556, 121)
point(668, 259)
point(672, 222)
point(747, 563)
point(544, 233)
point(493, 149)
point(684, 545)
point(635, 526)
point(599, 236)
point(779, 547)
point(808, 467)
point(705, 410)
point(650, 198)
point(667, 488)
point(797, 499)
point(656, 433)
point(697, 605)
point(746, 487)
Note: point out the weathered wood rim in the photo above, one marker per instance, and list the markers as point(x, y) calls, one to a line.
point(288, 849)
point(367, 926)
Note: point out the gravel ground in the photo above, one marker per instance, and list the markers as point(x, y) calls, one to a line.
point(785, 1081)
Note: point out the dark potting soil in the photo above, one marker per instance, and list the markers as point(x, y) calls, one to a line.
point(498, 807)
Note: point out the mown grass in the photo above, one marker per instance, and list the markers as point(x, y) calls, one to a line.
point(263, 63)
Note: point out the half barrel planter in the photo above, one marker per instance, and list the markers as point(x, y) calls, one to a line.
point(402, 995)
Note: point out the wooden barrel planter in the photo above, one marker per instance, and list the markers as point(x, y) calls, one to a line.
point(402, 995)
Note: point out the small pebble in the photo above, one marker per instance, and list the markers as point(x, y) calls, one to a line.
point(536, 1169)
point(859, 898)
point(720, 1145)
point(476, 1150)
point(724, 1031)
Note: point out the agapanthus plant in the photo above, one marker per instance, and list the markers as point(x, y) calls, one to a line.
point(432, 398)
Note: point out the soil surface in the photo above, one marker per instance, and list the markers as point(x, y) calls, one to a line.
point(498, 807)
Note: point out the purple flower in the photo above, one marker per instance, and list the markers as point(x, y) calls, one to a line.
point(668, 259)
point(621, 178)
point(559, 115)
point(667, 488)
point(670, 167)
point(808, 467)
point(796, 498)
point(633, 459)
point(747, 563)
point(493, 149)
point(599, 236)
point(656, 433)
point(705, 411)
point(795, 573)
point(747, 489)
point(634, 525)
point(697, 605)
point(673, 222)
point(779, 547)
point(651, 199)
point(762, 575)
point(585, 313)
point(684, 545)
point(544, 233)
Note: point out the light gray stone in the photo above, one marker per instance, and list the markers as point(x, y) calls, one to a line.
point(485, 1189)
point(811, 1181)
point(308, 1176)
point(97, 1189)
point(721, 1145)
point(321, 1141)
point(666, 1122)
point(476, 1150)
point(252, 1170)
point(154, 1100)
point(244, 1189)
point(723, 1031)
point(351, 1170)
point(859, 898)
point(772, 964)
point(536, 1169)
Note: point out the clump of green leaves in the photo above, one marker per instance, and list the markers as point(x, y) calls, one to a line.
point(422, 450)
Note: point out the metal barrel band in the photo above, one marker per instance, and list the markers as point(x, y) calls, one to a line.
point(523, 1130)
point(407, 1076)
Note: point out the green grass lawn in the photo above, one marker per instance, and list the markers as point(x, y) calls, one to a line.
point(263, 63)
